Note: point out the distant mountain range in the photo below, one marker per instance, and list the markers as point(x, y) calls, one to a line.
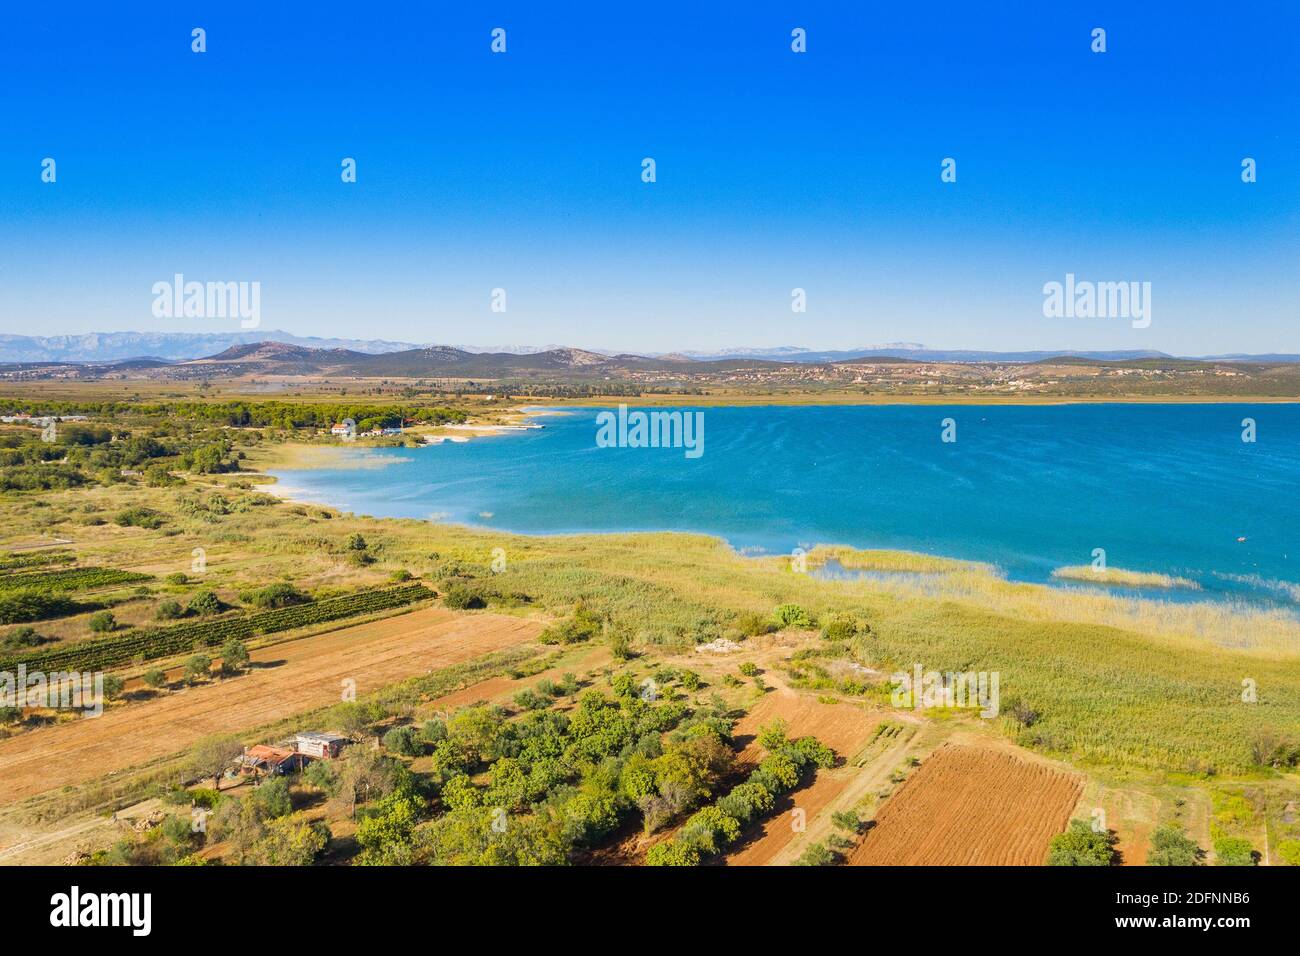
point(225, 347)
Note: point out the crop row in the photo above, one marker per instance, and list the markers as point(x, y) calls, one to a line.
point(155, 642)
point(69, 579)
point(15, 561)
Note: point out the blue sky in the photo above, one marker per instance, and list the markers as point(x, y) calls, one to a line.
point(775, 170)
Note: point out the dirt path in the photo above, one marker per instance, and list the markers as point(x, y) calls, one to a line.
point(291, 677)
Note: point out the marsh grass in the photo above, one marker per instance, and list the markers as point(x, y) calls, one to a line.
point(1123, 578)
point(1113, 680)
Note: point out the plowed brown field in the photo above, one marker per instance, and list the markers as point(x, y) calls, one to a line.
point(969, 806)
point(843, 727)
point(293, 676)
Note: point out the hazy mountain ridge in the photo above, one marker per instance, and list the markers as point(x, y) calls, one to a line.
point(247, 346)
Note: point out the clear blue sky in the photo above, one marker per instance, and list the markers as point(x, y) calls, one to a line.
point(775, 170)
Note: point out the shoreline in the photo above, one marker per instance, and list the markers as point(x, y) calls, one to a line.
point(1119, 585)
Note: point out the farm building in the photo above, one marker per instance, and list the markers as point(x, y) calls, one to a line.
point(261, 759)
point(323, 745)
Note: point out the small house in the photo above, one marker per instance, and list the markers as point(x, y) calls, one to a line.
point(341, 430)
point(326, 746)
point(261, 759)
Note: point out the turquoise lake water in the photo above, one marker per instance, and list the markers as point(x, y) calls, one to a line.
point(1166, 488)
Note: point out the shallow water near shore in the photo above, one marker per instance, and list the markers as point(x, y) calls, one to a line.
point(1170, 489)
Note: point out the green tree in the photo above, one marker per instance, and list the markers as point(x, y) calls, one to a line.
point(113, 686)
point(198, 667)
point(234, 656)
point(385, 832)
point(206, 603)
point(155, 678)
point(818, 854)
point(402, 740)
point(1170, 846)
point(1080, 845)
point(211, 756)
point(1234, 851)
point(273, 798)
point(102, 622)
point(290, 841)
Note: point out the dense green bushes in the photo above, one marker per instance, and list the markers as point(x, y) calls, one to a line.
point(791, 615)
point(583, 625)
point(1081, 845)
point(275, 596)
point(19, 607)
point(1170, 846)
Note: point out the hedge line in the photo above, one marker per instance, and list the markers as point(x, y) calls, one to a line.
point(150, 643)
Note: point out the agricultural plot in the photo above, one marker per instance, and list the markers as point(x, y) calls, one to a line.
point(971, 806)
point(152, 643)
point(293, 677)
point(844, 727)
point(70, 579)
point(20, 562)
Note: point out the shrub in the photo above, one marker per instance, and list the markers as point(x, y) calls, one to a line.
point(842, 628)
point(1171, 847)
point(139, 518)
point(620, 644)
point(1080, 845)
point(528, 699)
point(275, 596)
point(155, 677)
point(434, 730)
point(462, 598)
point(711, 829)
point(101, 622)
point(791, 615)
point(169, 611)
point(754, 625)
point(197, 667)
point(846, 820)
point(582, 626)
point(113, 686)
point(1234, 851)
point(672, 853)
point(206, 603)
point(272, 798)
point(402, 740)
point(1289, 850)
point(748, 669)
point(356, 543)
point(818, 854)
point(19, 607)
point(23, 637)
point(176, 577)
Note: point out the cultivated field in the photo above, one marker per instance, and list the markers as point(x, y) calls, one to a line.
point(970, 806)
point(286, 678)
point(844, 727)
